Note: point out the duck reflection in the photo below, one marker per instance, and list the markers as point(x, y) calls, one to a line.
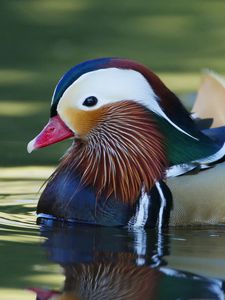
point(112, 263)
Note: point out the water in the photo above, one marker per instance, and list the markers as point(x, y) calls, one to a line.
point(86, 262)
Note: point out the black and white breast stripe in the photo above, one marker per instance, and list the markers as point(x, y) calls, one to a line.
point(153, 209)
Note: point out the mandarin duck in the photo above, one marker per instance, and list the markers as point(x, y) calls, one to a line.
point(129, 133)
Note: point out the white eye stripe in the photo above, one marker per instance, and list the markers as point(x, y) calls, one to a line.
point(109, 86)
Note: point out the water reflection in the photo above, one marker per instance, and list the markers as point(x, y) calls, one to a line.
point(114, 263)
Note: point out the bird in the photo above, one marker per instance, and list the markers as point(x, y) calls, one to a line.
point(130, 133)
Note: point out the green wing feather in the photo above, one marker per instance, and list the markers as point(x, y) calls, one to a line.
point(181, 148)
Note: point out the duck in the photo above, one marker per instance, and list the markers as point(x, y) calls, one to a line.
point(129, 134)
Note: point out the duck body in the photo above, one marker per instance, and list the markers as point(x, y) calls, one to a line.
point(60, 199)
point(199, 198)
point(128, 129)
point(64, 199)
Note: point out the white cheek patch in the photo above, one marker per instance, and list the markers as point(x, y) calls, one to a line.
point(109, 86)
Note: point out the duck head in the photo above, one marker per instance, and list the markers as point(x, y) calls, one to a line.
point(85, 90)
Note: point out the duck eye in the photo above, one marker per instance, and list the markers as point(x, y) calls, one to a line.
point(90, 101)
